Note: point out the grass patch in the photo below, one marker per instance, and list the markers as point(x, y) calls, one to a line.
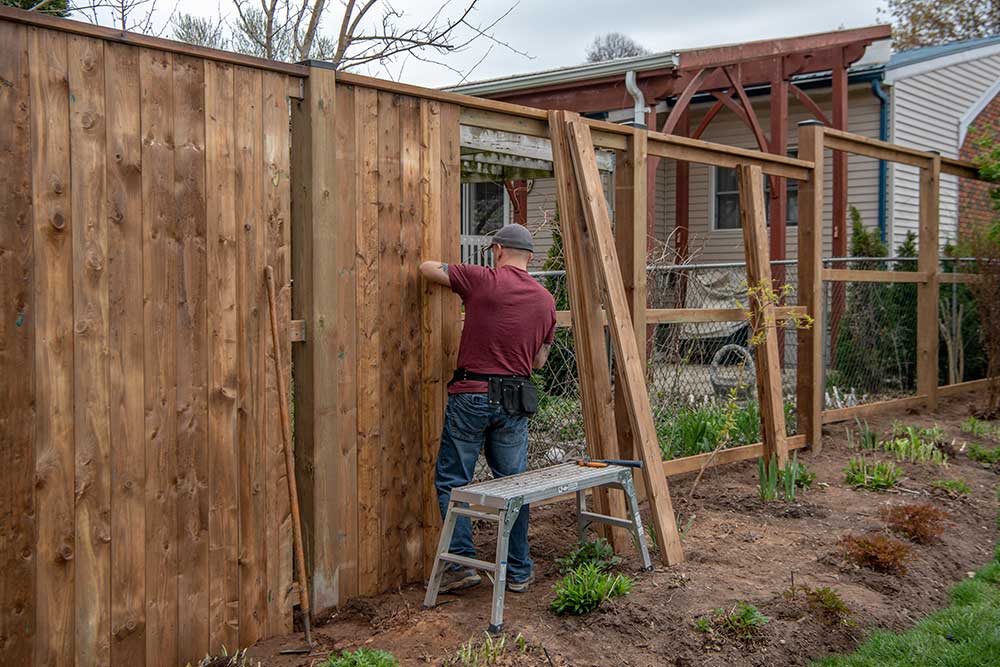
point(586, 588)
point(966, 634)
point(871, 475)
point(488, 651)
point(953, 488)
point(921, 523)
point(988, 455)
point(743, 622)
point(878, 552)
point(598, 552)
point(363, 657)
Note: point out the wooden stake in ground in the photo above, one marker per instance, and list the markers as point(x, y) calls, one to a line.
point(293, 492)
point(596, 237)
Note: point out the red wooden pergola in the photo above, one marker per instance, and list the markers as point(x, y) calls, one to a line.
point(725, 73)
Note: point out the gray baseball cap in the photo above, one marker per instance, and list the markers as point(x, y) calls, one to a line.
point(514, 236)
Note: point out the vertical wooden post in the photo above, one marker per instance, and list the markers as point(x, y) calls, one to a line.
point(314, 274)
point(809, 376)
point(838, 294)
point(682, 194)
point(593, 231)
point(588, 328)
point(630, 238)
point(928, 262)
point(766, 359)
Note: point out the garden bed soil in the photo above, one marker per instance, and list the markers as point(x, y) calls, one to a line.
point(737, 548)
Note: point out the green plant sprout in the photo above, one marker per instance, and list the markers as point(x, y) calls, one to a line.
point(988, 455)
point(873, 476)
point(598, 552)
point(743, 622)
point(952, 487)
point(362, 657)
point(586, 588)
point(487, 651)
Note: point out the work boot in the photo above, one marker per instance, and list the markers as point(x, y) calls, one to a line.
point(459, 579)
point(521, 586)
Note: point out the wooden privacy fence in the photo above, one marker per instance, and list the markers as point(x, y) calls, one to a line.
point(144, 516)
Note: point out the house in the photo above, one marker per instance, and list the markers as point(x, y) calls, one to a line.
point(745, 95)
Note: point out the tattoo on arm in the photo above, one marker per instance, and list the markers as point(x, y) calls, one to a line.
point(444, 267)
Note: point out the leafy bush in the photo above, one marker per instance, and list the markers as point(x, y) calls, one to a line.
point(873, 476)
point(363, 657)
point(877, 552)
point(825, 602)
point(921, 523)
point(951, 487)
point(744, 622)
point(586, 587)
point(598, 552)
point(984, 454)
point(487, 651)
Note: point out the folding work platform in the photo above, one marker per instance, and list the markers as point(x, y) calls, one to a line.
point(501, 500)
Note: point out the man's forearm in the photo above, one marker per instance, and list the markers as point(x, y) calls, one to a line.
point(435, 272)
point(541, 356)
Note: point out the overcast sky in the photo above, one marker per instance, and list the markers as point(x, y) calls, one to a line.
point(555, 33)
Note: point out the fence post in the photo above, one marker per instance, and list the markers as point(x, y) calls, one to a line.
point(928, 262)
point(314, 299)
point(809, 374)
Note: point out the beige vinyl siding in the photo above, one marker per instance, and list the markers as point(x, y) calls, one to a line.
point(926, 110)
point(711, 245)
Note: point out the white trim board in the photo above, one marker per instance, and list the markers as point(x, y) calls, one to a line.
point(969, 116)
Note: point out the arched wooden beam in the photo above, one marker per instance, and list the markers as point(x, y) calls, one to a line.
point(810, 104)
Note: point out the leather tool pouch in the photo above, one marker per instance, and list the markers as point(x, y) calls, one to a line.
point(518, 397)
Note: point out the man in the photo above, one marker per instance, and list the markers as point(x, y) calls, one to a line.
point(510, 321)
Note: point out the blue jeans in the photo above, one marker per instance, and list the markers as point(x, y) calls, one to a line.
point(469, 423)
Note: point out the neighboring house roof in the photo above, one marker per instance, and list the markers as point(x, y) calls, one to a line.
point(917, 61)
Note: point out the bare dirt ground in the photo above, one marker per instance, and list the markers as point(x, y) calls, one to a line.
point(737, 548)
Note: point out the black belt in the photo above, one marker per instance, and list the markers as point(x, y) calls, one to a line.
point(461, 374)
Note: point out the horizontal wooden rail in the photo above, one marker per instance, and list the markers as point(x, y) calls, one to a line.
point(860, 276)
point(949, 278)
point(693, 315)
point(693, 463)
point(839, 140)
point(865, 409)
point(962, 387)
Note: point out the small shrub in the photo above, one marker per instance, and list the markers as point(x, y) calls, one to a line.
point(982, 454)
point(953, 488)
point(487, 651)
point(825, 602)
point(586, 587)
point(877, 552)
point(598, 552)
point(744, 622)
point(873, 476)
point(921, 523)
point(363, 657)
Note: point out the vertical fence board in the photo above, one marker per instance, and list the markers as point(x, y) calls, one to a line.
point(410, 241)
point(223, 475)
point(343, 485)
point(277, 195)
point(391, 389)
point(90, 327)
point(160, 267)
point(17, 327)
point(432, 369)
point(193, 447)
point(369, 341)
point(53, 272)
point(929, 262)
point(248, 166)
point(451, 198)
point(128, 517)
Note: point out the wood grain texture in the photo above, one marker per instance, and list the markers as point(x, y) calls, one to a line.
point(409, 325)
point(763, 320)
point(369, 341)
point(17, 331)
point(390, 321)
point(598, 239)
point(277, 205)
point(125, 285)
point(864, 276)
point(223, 461)
point(160, 275)
point(929, 264)
point(451, 304)
point(91, 371)
point(53, 348)
point(342, 488)
point(193, 344)
point(249, 175)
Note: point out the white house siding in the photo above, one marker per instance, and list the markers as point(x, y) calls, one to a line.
point(926, 109)
point(711, 245)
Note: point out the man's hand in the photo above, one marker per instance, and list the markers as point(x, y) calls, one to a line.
point(541, 356)
point(436, 272)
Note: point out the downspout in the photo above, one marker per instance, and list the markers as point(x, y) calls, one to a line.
point(638, 98)
point(883, 135)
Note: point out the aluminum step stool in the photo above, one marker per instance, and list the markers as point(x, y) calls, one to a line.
point(503, 499)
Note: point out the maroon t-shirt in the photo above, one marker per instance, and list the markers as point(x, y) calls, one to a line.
point(508, 317)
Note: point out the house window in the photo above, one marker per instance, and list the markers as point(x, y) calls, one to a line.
point(485, 209)
point(727, 198)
